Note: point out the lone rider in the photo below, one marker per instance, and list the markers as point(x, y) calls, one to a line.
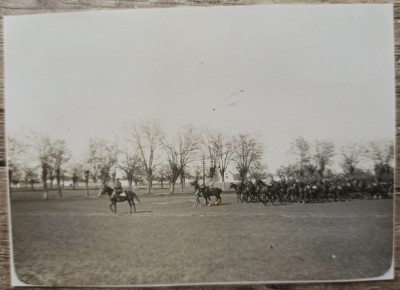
point(117, 189)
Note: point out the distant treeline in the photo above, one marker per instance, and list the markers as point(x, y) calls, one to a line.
point(149, 155)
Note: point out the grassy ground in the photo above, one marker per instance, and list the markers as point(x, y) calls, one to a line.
point(78, 241)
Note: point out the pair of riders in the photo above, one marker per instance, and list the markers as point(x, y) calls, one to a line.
point(117, 189)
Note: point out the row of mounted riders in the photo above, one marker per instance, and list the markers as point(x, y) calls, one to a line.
point(298, 192)
point(275, 192)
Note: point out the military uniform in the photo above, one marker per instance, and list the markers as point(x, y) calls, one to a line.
point(118, 188)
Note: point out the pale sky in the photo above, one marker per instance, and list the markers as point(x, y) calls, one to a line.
point(323, 72)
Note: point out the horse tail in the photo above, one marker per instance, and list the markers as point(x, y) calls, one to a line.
point(135, 196)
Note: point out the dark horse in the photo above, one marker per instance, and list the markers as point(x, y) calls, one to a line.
point(238, 189)
point(206, 192)
point(127, 195)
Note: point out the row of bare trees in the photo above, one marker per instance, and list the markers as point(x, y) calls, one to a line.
point(313, 160)
point(148, 154)
point(51, 156)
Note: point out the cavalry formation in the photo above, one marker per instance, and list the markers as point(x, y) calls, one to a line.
point(276, 192)
point(302, 192)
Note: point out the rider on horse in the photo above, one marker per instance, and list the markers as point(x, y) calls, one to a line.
point(117, 189)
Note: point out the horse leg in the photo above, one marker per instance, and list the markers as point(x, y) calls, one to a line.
point(134, 205)
point(130, 206)
point(196, 200)
point(115, 207)
point(208, 200)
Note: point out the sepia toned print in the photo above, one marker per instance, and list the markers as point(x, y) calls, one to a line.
point(201, 145)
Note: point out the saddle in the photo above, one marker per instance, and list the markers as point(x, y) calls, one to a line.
point(119, 194)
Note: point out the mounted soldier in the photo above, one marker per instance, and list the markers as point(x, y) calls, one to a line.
point(117, 189)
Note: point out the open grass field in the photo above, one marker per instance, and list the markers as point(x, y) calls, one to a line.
point(76, 240)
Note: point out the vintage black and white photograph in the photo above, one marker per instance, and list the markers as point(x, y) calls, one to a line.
point(201, 145)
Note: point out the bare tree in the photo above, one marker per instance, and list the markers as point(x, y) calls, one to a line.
point(131, 165)
point(102, 159)
point(225, 155)
point(15, 151)
point(59, 155)
point(171, 174)
point(211, 146)
point(44, 149)
point(174, 172)
point(147, 137)
point(31, 176)
point(382, 154)
point(300, 148)
point(51, 173)
point(288, 172)
point(181, 151)
point(352, 156)
point(76, 170)
point(310, 172)
point(248, 152)
point(324, 152)
point(162, 173)
point(220, 151)
point(259, 171)
point(86, 174)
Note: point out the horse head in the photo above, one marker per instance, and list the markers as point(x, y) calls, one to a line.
point(105, 189)
point(195, 183)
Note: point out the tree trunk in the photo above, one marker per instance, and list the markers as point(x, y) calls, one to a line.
point(222, 172)
point(87, 187)
point(182, 180)
point(46, 192)
point(32, 186)
point(59, 187)
point(150, 183)
point(223, 178)
point(130, 184)
point(58, 178)
point(44, 180)
point(172, 188)
point(101, 187)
